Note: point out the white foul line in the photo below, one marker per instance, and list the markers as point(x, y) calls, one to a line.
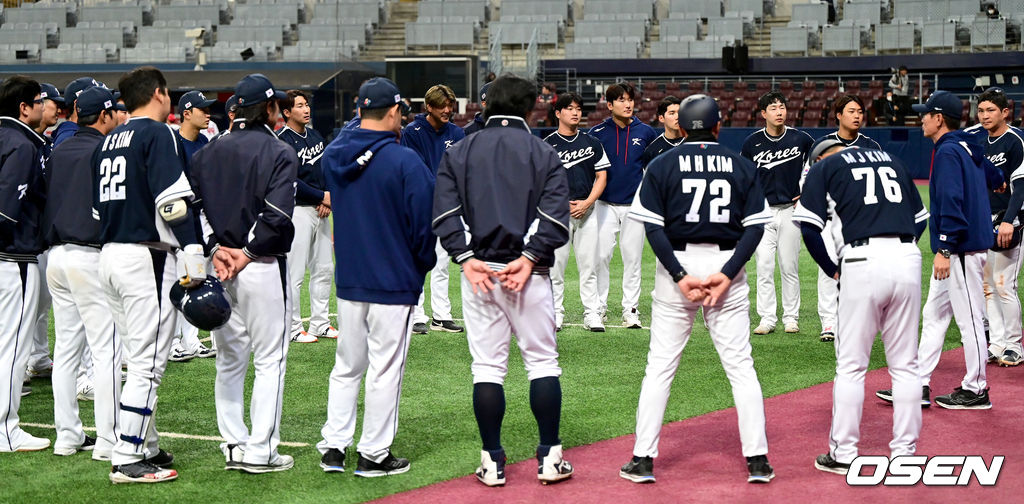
point(165, 434)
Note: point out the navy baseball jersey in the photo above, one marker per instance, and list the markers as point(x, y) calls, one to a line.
point(701, 192)
point(309, 146)
point(1006, 152)
point(138, 167)
point(873, 193)
point(582, 156)
point(780, 161)
point(191, 147)
point(658, 146)
point(862, 141)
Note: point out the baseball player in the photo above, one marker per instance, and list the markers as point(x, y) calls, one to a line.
point(586, 164)
point(779, 153)
point(52, 102)
point(882, 212)
point(384, 190)
point(148, 232)
point(120, 112)
point(625, 138)
point(668, 116)
point(251, 172)
point(194, 110)
point(67, 129)
point(703, 234)
point(1004, 147)
point(505, 256)
point(430, 135)
point(21, 203)
point(230, 105)
point(850, 115)
point(477, 123)
point(312, 245)
point(81, 317)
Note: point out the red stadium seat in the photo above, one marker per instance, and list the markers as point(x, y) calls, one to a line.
point(809, 86)
point(727, 105)
point(696, 86)
point(816, 105)
point(473, 108)
point(648, 105)
point(791, 120)
point(740, 119)
point(671, 86)
point(852, 85)
point(746, 105)
point(752, 95)
point(740, 86)
point(794, 95)
point(763, 86)
point(646, 116)
point(797, 105)
point(717, 86)
point(655, 96)
point(650, 86)
point(759, 121)
point(812, 118)
point(785, 86)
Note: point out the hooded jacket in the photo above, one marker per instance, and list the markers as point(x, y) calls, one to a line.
point(63, 131)
point(625, 149)
point(22, 191)
point(961, 178)
point(429, 143)
point(381, 196)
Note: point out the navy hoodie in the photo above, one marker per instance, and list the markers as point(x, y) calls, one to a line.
point(625, 149)
point(429, 143)
point(385, 193)
point(63, 131)
point(961, 178)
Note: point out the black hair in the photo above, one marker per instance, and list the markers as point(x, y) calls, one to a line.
point(17, 90)
point(510, 95)
point(91, 119)
point(845, 100)
point(901, 68)
point(996, 96)
point(137, 86)
point(616, 91)
point(566, 99)
point(952, 124)
point(288, 102)
point(255, 115)
point(375, 114)
point(770, 98)
point(664, 104)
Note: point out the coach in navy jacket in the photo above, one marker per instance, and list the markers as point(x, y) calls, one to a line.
point(390, 190)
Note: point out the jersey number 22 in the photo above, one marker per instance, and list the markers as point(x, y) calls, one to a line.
point(112, 175)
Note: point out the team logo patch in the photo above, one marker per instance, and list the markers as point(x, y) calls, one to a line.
point(42, 95)
point(188, 105)
point(366, 101)
point(398, 98)
point(269, 93)
point(504, 122)
point(703, 146)
point(107, 104)
point(698, 124)
point(636, 141)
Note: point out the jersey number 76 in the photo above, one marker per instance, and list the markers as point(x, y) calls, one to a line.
point(890, 187)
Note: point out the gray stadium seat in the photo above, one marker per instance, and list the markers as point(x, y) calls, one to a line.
point(871, 11)
point(756, 7)
point(437, 34)
point(840, 39)
point(938, 35)
point(522, 32)
point(24, 37)
point(895, 37)
point(366, 11)
point(706, 8)
point(587, 28)
point(476, 9)
point(670, 49)
point(209, 13)
point(614, 48)
point(92, 35)
point(988, 33)
point(679, 28)
point(111, 13)
point(270, 34)
point(725, 27)
point(790, 40)
point(817, 12)
point(709, 48)
point(528, 7)
point(259, 11)
point(349, 32)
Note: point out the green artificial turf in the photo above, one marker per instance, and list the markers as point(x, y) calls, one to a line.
point(437, 431)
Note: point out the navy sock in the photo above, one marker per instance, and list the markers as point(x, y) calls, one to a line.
point(546, 403)
point(489, 408)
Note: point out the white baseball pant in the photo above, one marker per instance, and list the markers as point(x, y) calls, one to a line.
point(493, 317)
point(40, 359)
point(137, 280)
point(19, 291)
point(867, 307)
point(828, 288)
point(312, 247)
point(259, 328)
point(82, 320)
point(614, 220)
point(583, 237)
point(440, 303)
point(672, 317)
point(782, 237)
point(186, 334)
point(1003, 305)
point(374, 342)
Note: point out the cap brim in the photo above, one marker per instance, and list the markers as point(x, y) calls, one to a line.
point(404, 107)
point(206, 103)
point(121, 107)
point(920, 108)
point(58, 99)
point(280, 95)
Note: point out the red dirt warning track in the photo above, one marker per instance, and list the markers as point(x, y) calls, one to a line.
point(701, 462)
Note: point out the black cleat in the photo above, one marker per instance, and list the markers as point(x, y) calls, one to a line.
point(964, 399)
point(445, 325)
point(760, 470)
point(333, 460)
point(141, 472)
point(162, 459)
point(420, 328)
point(638, 470)
point(826, 463)
point(391, 465)
point(926, 396)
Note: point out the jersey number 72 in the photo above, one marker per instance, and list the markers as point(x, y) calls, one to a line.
point(717, 211)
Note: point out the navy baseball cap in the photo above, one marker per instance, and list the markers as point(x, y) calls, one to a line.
point(49, 92)
point(822, 146)
point(193, 99)
point(483, 92)
point(256, 88)
point(943, 102)
point(94, 100)
point(78, 85)
point(380, 92)
point(231, 104)
point(120, 106)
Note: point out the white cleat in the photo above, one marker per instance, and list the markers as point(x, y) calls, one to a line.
point(552, 468)
point(764, 328)
point(792, 327)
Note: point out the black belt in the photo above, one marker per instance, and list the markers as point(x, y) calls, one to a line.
point(723, 245)
point(865, 241)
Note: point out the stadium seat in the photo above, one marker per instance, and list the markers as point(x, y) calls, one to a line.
point(811, 118)
point(740, 119)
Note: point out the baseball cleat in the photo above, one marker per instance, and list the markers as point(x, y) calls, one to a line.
point(179, 354)
point(205, 352)
point(826, 463)
point(964, 399)
point(101, 455)
point(638, 470)
point(303, 337)
point(593, 323)
point(445, 326)
point(87, 392)
point(764, 328)
point(791, 327)
point(1009, 359)
point(87, 445)
point(551, 467)
point(233, 455)
point(162, 459)
point(25, 390)
point(141, 472)
point(46, 372)
point(329, 332)
point(926, 396)
point(992, 358)
point(631, 319)
point(759, 470)
point(333, 460)
point(420, 328)
point(828, 336)
point(389, 466)
point(277, 464)
point(492, 468)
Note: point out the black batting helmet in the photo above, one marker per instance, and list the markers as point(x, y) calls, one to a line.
point(204, 306)
point(698, 112)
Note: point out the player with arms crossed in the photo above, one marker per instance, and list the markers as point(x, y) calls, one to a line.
point(501, 209)
point(585, 164)
point(883, 214)
point(779, 153)
point(149, 242)
point(704, 212)
point(245, 190)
